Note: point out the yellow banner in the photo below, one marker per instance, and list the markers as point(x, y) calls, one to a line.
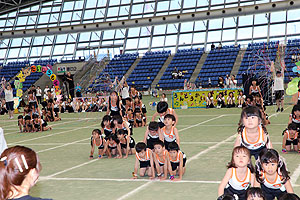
point(197, 98)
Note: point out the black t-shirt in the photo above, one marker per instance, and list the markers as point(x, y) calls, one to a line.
point(27, 197)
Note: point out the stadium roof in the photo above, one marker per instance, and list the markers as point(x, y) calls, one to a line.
point(11, 5)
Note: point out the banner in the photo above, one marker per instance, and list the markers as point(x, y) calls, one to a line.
point(197, 98)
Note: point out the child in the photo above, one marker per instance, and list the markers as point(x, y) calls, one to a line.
point(28, 124)
point(249, 101)
point(289, 196)
point(220, 100)
point(252, 134)
point(295, 116)
point(240, 168)
point(272, 175)
point(21, 123)
point(255, 193)
point(160, 157)
point(127, 143)
point(111, 146)
point(119, 123)
point(169, 132)
point(209, 101)
point(241, 99)
point(27, 111)
point(107, 127)
point(97, 141)
point(254, 89)
point(39, 124)
point(114, 104)
point(163, 109)
point(137, 110)
point(290, 136)
point(144, 116)
point(144, 158)
point(298, 97)
point(230, 100)
point(151, 135)
point(177, 160)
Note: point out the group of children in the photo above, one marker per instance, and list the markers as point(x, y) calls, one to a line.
point(158, 155)
point(270, 171)
point(220, 102)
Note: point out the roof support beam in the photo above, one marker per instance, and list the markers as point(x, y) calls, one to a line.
point(157, 20)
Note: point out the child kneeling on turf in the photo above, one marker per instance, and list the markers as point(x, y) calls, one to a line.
point(40, 124)
point(97, 141)
point(112, 146)
point(21, 122)
point(127, 143)
point(161, 158)
point(144, 158)
point(177, 160)
point(290, 136)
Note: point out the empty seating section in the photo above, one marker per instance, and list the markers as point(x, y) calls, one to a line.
point(256, 57)
point(147, 69)
point(218, 63)
point(117, 67)
point(292, 53)
point(185, 60)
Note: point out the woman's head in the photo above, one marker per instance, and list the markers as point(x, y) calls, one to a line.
point(250, 117)
point(19, 169)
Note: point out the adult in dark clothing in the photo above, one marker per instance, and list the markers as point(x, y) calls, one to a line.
point(70, 81)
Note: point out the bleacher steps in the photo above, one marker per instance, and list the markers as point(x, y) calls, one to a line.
point(130, 70)
point(198, 67)
point(238, 62)
point(162, 71)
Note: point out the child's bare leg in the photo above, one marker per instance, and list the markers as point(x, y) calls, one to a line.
point(143, 171)
point(288, 147)
point(295, 147)
point(149, 171)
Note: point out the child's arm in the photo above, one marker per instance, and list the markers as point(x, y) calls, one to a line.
point(288, 187)
point(145, 136)
point(92, 151)
point(252, 180)
point(136, 166)
point(237, 141)
point(41, 127)
point(127, 128)
point(284, 143)
point(108, 110)
point(119, 151)
point(156, 164)
point(161, 135)
point(290, 119)
point(269, 144)
point(224, 182)
point(155, 115)
point(166, 167)
point(177, 136)
point(152, 166)
point(180, 171)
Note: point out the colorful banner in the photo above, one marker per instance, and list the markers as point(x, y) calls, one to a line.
point(197, 98)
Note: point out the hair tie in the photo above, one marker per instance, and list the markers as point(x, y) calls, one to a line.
point(4, 159)
point(18, 164)
point(24, 161)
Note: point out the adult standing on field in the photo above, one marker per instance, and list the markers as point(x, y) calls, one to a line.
point(9, 99)
point(278, 86)
point(70, 81)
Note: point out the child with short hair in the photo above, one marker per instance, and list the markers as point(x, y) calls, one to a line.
point(127, 143)
point(230, 100)
point(39, 124)
point(119, 123)
point(97, 141)
point(241, 99)
point(177, 160)
point(161, 158)
point(272, 175)
point(239, 168)
point(169, 132)
point(143, 161)
point(28, 124)
point(252, 134)
point(290, 136)
point(107, 127)
point(151, 134)
point(111, 146)
point(255, 193)
point(21, 123)
point(163, 109)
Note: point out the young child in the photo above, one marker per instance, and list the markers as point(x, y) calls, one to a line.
point(137, 110)
point(295, 116)
point(28, 124)
point(254, 89)
point(111, 146)
point(107, 127)
point(39, 124)
point(272, 175)
point(290, 136)
point(249, 101)
point(119, 123)
point(169, 132)
point(177, 160)
point(127, 143)
point(160, 157)
point(241, 99)
point(209, 101)
point(163, 109)
point(151, 134)
point(114, 104)
point(21, 123)
point(143, 161)
point(252, 134)
point(97, 141)
point(239, 175)
point(255, 193)
point(230, 100)
point(220, 100)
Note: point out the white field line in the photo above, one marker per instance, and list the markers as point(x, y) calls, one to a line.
point(295, 175)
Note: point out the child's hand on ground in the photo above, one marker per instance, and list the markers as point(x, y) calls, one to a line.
point(125, 157)
point(91, 157)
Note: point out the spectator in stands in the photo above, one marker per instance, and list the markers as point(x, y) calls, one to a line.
point(185, 84)
point(221, 82)
point(78, 90)
point(227, 80)
point(232, 82)
point(175, 73)
point(220, 46)
point(212, 46)
point(209, 82)
point(103, 105)
point(198, 82)
point(180, 74)
point(39, 94)
point(220, 100)
point(70, 81)
point(9, 99)
point(164, 97)
point(209, 101)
